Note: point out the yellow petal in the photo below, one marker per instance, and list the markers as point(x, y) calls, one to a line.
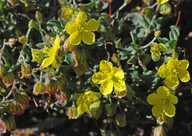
point(106, 87)
point(75, 38)
point(118, 73)
point(46, 62)
point(88, 37)
point(119, 84)
point(92, 25)
point(81, 109)
point(162, 70)
point(55, 47)
point(105, 66)
point(172, 99)
point(184, 75)
point(162, 1)
point(156, 110)
point(153, 99)
point(183, 64)
point(81, 18)
point(71, 27)
point(172, 81)
point(99, 77)
point(162, 91)
point(172, 62)
point(169, 110)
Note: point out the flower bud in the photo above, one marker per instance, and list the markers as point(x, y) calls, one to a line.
point(157, 34)
point(16, 108)
point(22, 39)
point(2, 70)
point(3, 91)
point(21, 97)
point(120, 119)
point(62, 96)
point(9, 121)
point(8, 79)
point(39, 88)
point(31, 23)
point(69, 47)
point(51, 86)
point(73, 112)
point(80, 63)
point(12, 41)
point(115, 58)
point(26, 70)
point(105, 18)
point(111, 109)
point(158, 131)
point(38, 16)
point(62, 83)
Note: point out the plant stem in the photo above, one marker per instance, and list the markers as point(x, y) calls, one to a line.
point(147, 45)
point(2, 49)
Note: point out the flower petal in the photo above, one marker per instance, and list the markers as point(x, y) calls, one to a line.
point(183, 64)
point(118, 73)
point(75, 38)
point(172, 62)
point(156, 110)
point(71, 27)
point(172, 81)
point(184, 75)
point(162, 91)
point(119, 84)
point(99, 77)
point(81, 18)
point(162, 70)
point(105, 66)
point(55, 47)
point(92, 25)
point(106, 87)
point(88, 37)
point(172, 99)
point(81, 108)
point(152, 99)
point(46, 62)
point(169, 110)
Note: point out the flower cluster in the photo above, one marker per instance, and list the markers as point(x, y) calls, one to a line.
point(82, 30)
point(108, 77)
point(173, 71)
point(87, 102)
point(163, 102)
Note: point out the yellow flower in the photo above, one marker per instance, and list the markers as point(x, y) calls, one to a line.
point(81, 30)
point(51, 53)
point(37, 55)
point(108, 77)
point(87, 102)
point(163, 102)
point(162, 1)
point(173, 70)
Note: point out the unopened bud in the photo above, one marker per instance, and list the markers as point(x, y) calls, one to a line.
point(111, 109)
point(39, 88)
point(62, 83)
point(157, 34)
point(69, 47)
point(12, 41)
point(16, 108)
point(31, 23)
point(105, 18)
point(26, 70)
point(120, 119)
point(158, 131)
point(51, 86)
point(62, 96)
point(73, 112)
point(8, 79)
point(38, 16)
point(115, 58)
point(22, 39)
point(2, 70)
point(21, 97)
point(9, 121)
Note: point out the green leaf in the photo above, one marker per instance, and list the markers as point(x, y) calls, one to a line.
point(174, 33)
point(172, 44)
point(163, 40)
point(165, 9)
point(137, 19)
point(90, 5)
point(41, 45)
